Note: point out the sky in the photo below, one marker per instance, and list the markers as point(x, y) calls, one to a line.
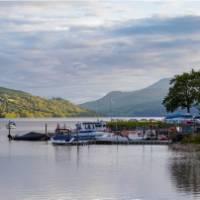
point(81, 50)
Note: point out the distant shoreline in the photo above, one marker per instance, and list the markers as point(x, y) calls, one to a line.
point(85, 117)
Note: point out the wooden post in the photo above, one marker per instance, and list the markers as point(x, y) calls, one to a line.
point(194, 126)
point(46, 129)
point(77, 135)
point(9, 131)
point(117, 132)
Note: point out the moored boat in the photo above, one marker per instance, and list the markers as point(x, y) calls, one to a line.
point(32, 136)
point(111, 138)
point(85, 132)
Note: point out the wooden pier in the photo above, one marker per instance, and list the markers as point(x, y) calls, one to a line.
point(139, 142)
point(142, 142)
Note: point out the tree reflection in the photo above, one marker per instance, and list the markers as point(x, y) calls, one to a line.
point(185, 172)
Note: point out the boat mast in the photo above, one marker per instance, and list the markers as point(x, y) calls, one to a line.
point(97, 110)
point(112, 118)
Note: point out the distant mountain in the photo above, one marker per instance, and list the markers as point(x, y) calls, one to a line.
point(144, 102)
point(22, 104)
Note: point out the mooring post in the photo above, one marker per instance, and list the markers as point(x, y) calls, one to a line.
point(117, 132)
point(9, 131)
point(46, 129)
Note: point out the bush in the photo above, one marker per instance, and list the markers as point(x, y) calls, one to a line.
point(191, 139)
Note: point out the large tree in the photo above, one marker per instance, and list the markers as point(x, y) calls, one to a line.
point(196, 85)
point(181, 93)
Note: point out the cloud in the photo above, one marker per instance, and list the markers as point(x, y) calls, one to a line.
point(82, 50)
point(157, 26)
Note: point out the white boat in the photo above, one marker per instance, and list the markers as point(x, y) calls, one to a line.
point(138, 135)
point(197, 120)
point(84, 133)
point(110, 137)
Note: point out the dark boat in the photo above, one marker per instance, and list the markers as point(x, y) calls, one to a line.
point(32, 136)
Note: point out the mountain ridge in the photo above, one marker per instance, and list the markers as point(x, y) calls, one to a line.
point(143, 102)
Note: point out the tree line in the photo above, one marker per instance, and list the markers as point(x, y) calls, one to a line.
point(184, 92)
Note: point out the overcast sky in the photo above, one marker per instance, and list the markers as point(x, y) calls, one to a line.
point(80, 50)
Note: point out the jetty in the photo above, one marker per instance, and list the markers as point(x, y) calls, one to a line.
point(139, 142)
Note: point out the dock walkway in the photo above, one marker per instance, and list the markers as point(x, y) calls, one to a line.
point(142, 142)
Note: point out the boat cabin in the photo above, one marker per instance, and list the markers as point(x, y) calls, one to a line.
point(91, 126)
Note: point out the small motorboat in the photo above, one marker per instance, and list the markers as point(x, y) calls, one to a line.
point(197, 120)
point(111, 138)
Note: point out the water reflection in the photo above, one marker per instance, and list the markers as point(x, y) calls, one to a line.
point(185, 172)
point(88, 172)
point(42, 171)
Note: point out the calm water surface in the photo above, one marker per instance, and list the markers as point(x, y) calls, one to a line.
point(30, 171)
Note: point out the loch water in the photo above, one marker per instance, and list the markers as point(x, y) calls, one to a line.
point(41, 171)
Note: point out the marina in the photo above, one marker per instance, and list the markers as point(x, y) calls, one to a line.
point(90, 132)
point(96, 171)
point(129, 132)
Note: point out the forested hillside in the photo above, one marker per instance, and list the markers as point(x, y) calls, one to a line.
point(15, 103)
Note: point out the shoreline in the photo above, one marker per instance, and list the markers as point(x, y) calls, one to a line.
point(185, 147)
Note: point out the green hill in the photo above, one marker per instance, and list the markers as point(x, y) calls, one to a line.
point(14, 103)
point(144, 102)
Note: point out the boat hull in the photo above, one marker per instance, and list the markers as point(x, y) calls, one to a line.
point(32, 136)
point(74, 138)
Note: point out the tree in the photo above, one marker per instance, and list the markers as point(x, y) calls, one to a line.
point(196, 85)
point(3, 105)
point(181, 93)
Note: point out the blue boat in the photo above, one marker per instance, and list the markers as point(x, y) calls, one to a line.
point(85, 132)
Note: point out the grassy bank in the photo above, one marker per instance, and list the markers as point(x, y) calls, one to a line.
point(123, 124)
point(185, 147)
point(191, 139)
point(189, 143)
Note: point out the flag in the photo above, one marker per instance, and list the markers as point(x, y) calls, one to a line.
point(11, 125)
